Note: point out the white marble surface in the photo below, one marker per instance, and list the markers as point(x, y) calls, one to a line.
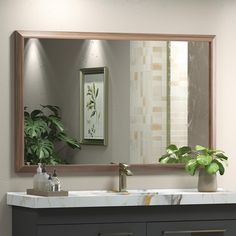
point(98, 198)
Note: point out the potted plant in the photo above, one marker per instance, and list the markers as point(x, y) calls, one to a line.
point(207, 161)
point(43, 129)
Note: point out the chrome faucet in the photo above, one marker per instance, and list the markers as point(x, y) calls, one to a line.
point(123, 173)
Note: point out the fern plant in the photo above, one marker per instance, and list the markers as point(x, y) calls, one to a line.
point(42, 130)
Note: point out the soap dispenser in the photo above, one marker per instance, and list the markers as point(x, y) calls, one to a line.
point(56, 181)
point(37, 176)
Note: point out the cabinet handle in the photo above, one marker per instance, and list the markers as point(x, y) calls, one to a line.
point(194, 231)
point(115, 234)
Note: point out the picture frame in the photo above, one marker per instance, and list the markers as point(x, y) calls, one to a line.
point(94, 106)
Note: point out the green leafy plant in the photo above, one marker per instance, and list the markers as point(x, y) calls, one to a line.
point(176, 155)
point(42, 130)
point(212, 160)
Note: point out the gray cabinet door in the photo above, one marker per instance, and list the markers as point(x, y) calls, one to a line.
point(192, 228)
point(116, 229)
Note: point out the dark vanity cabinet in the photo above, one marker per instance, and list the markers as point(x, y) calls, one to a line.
point(118, 229)
point(177, 220)
point(192, 228)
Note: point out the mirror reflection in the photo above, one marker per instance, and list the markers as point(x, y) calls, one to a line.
point(158, 93)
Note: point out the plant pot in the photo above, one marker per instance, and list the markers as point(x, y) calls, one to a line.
point(206, 182)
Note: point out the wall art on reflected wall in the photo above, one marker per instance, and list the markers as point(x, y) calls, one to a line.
point(94, 105)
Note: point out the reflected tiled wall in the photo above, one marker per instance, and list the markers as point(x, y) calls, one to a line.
point(148, 74)
point(155, 120)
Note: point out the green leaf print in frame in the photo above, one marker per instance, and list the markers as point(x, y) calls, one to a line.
point(94, 105)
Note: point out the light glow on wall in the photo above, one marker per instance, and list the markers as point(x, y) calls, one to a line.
point(36, 67)
point(93, 53)
point(32, 51)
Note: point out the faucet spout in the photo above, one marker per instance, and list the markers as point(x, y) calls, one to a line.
point(123, 173)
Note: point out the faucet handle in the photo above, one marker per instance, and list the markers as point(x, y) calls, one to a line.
point(124, 168)
point(123, 165)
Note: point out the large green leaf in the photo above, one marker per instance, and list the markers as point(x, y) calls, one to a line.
point(73, 143)
point(191, 166)
point(56, 122)
point(168, 159)
point(172, 147)
point(164, 158)
point(184, 159)
point(204, 160)
point(213, 151)
point(221, 167)
point(43, 148)
point(212, 168)
point(36, 113)
point(221, 156)
point(200, 148)
point(184, 150)
point(34, 128)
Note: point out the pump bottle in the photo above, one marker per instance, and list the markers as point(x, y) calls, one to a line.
point(37, 176)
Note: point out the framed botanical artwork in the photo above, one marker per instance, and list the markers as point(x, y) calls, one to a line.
point(94, 105)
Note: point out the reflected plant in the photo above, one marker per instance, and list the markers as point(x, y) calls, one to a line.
point(176, 155)
point(43, 129)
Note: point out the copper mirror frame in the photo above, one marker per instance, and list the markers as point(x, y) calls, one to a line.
point(21, 36)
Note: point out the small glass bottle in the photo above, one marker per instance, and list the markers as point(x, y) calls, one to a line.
point(43, 179)
point(56, 181)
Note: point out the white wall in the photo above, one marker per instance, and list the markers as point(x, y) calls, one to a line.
point(151, 16)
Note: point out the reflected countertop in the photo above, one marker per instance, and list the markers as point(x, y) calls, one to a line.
point(102, 198)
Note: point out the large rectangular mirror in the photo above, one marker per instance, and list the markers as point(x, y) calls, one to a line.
point(158, 91)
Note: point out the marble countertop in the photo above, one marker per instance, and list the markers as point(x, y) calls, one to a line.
point(150, 197)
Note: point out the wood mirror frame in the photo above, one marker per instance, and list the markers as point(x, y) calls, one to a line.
point(21, 36)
